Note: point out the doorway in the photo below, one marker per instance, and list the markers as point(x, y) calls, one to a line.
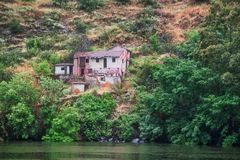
point(105, 63)
point(82, 72)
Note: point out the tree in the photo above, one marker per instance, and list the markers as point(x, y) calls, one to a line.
point(95, 112)
point(219, 48)
point(50, 100)
point(65, 126)
point(22, 121)
point(190, 46)
point(170, 98)
point(20, 89)
point(18, 98)
point(219, 115)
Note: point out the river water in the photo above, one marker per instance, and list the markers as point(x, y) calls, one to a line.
point(109, 151)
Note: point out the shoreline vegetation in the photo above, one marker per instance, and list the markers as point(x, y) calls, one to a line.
point(177, 90)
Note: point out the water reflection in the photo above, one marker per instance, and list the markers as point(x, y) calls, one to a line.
point(107, 151)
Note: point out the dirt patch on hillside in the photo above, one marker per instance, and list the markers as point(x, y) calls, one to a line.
point(183, 16)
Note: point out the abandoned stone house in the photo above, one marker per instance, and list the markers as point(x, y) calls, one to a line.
point(63, 69)
point(96, 68)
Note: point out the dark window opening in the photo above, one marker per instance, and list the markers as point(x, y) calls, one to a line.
point(97, 60)
point(62, 68)
point(90, 70)
point(71, 70)
point(82, 72)
point(105, 63)
point(102, 78)
point(87, 60)
point(113, 59)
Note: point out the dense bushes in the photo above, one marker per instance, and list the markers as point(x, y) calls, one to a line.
point(4, 74)
point(126, 127)
point(43, 68)
point(182, 103)
point(31, 110)
point(123, 1)
point(190, 46)
point(81, 27)
point(15, 26)
point(95, 112)
point(13, 57)
point(60, 2)
point(144, 25)
point(148, 2)
point(65, 126)
point(90, 5)
point(17, 99)
point(22, 128)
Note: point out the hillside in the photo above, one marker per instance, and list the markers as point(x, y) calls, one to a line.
point(106, 25)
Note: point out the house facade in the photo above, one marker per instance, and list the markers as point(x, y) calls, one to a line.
point(100, 67)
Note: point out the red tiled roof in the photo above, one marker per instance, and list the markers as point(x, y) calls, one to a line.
point(114, 52)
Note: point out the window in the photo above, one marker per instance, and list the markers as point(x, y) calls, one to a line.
point(62, 68)
point(87, 60)
point(113, 59)
point(97, 60)
point(102, 78)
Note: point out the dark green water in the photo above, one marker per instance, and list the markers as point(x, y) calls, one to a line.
point(107, 151)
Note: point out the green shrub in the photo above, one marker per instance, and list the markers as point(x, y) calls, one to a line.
point(65, 126)
point(161, 44)
point(51, 21)
point(43, 68)
point(15, 26)
point(123, 1)
point(4, 75)
point(190, 46)
point(21, 120)
point(18, 90)
point(144, 25)
point(28, 0)
point(54, 59)
point(60, 2)
point(145, 49)
point(148, 2)
point(125, 128)
point(90, 5)
point(81, 27)
point(33, 45)
point(155, 43)
point(13, 57)
point(230, 140)
point(95, 112)
point(17, 98)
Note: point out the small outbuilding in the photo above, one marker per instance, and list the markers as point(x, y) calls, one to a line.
point(79, 87)
point(63, 69)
